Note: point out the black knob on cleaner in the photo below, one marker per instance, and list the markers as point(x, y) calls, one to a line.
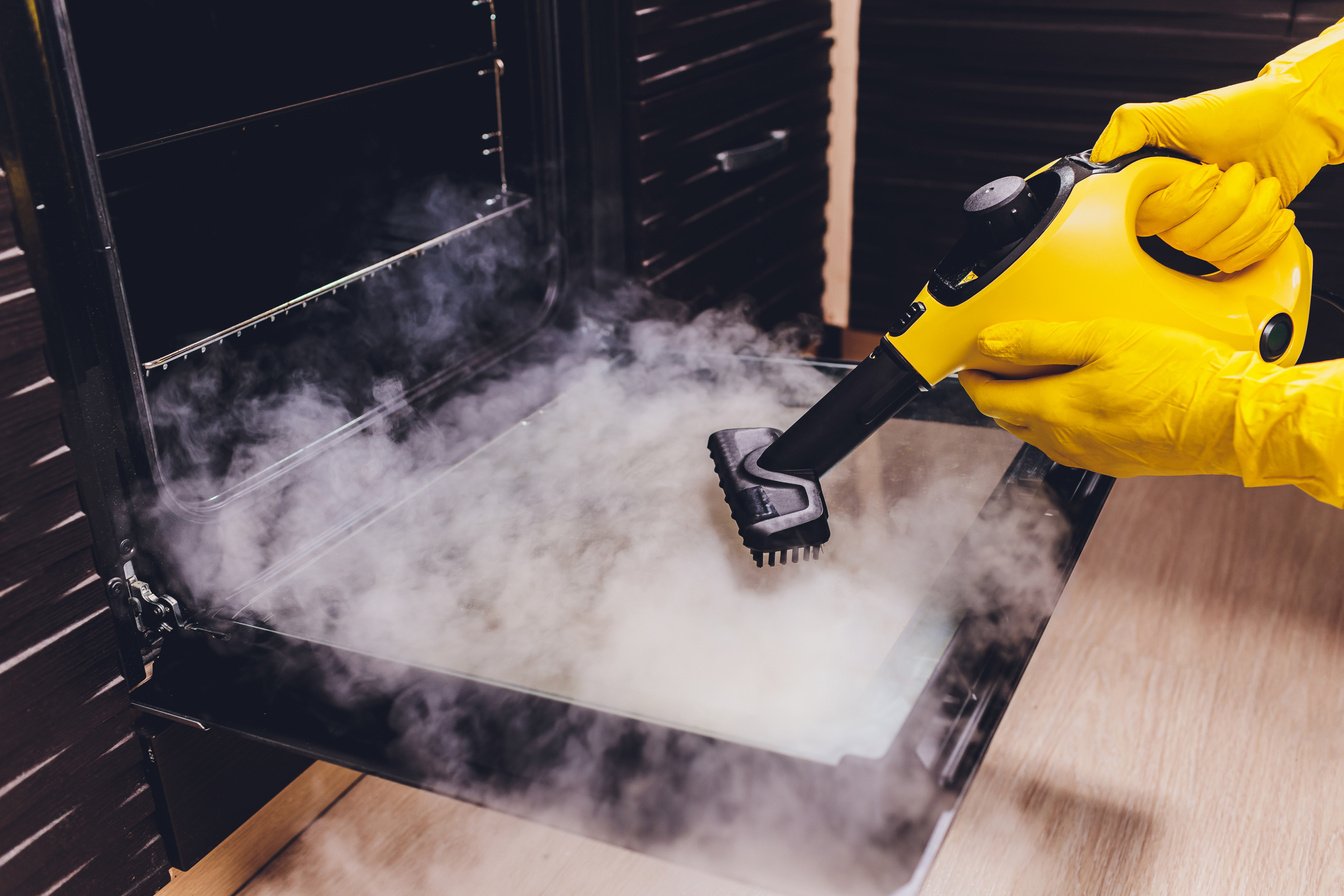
point(1001, 212)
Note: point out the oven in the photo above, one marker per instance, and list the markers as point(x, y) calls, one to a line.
point(387, 341)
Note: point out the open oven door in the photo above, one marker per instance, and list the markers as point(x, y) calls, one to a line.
point(809, 728)
point(367, 486)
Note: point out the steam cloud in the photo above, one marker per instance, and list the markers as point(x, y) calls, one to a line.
point(584, 552)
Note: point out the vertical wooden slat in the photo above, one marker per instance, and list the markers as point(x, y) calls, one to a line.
point(844, 35)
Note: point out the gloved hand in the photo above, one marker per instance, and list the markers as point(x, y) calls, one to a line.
point(1226, 218)
point(1280, 128)
point(1151, 400)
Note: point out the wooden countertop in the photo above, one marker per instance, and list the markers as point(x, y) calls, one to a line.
point(1178, 731)
point(1181, 727)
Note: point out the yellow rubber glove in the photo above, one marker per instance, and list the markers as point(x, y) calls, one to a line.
point(1151, 400)
point(1228, 219)
point(1270, 135)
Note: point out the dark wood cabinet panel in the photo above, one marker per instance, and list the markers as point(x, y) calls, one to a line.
point(1219, 14)
point(681, 200)
point(676, 43)
point(20, 320)
point(728, 266)
point(1310, 17)
point(75, 810)
point(751, 79)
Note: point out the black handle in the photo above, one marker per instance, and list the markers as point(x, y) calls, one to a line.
point(745, 157)
point(854, 409)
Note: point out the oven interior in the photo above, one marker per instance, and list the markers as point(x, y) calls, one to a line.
point(360, 204)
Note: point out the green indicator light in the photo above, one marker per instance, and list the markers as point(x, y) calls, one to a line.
point(1275, 337)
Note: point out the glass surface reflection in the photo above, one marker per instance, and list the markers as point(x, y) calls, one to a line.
point(586, 554)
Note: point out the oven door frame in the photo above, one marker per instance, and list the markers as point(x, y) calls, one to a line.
point(263, 685)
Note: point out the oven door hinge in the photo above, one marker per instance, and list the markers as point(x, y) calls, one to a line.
point(155, 615)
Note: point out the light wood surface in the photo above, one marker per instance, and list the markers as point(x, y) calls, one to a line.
point(841, 124)
point(1181, 728)
point(234, 862)
point(1178, 731)
point(383, 839)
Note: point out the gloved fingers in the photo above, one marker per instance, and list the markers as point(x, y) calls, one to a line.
point(1254, 224)
point(984, 392)
point(1136, 125)
point(1264, 245)
point(1034, 343)
point(1022, 432)
point(1006, 401)
point(1177, 202)
point(1043, 440)
point(1231, 198)
point(972, 381)
point(1127, 131)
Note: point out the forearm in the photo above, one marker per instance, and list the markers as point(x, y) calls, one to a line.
point(1289, 428)
point(1313, 74)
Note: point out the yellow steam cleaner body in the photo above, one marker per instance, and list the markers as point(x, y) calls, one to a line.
point(1059, 245)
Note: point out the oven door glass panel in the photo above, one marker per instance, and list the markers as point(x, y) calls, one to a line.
point(587, 554)
point(563, 623)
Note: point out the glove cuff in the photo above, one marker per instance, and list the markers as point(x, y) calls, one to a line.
point(1214, 414)
point(1289, 428)
point(1313, 75)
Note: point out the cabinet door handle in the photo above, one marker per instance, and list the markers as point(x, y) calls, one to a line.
point(744, 157)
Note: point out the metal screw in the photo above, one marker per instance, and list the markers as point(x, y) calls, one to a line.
point(118, 588)
point(126, 548)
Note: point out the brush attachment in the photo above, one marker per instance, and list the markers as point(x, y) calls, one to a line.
point(771, 480)
point(781, 516)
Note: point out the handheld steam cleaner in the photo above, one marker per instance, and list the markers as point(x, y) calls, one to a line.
point(1059, 245)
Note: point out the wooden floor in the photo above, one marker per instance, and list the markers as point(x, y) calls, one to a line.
point(1180, 730)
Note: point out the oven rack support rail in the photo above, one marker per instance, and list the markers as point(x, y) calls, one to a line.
point(499, 206)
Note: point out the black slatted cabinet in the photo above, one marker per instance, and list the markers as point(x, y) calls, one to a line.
point(76, 815)
point(725, 108)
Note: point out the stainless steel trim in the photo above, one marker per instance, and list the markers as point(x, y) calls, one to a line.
point(171, 716)
point(501, 205)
